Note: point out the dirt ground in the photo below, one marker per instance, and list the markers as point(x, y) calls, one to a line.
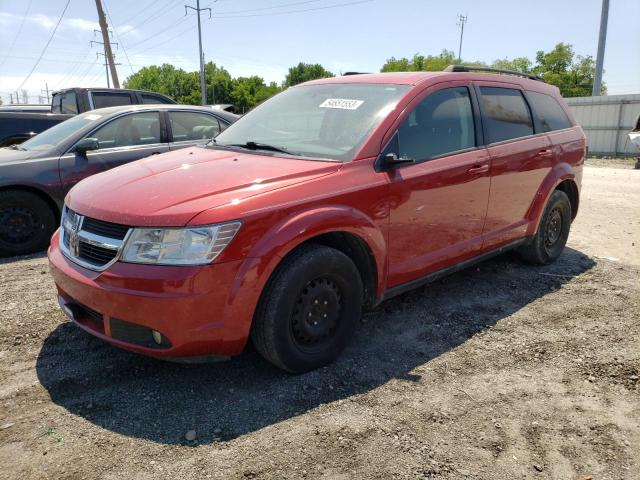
point(503, 371)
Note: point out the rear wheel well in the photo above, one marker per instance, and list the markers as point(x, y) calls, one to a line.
point(47, 199)
point(359, 252)
point(571, 189)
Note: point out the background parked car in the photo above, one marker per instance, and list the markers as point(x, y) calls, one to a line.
point(35, 176)
point(20, 124)
point(26, 107)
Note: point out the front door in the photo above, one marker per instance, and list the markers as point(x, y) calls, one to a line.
point(121, 140)
point(438, 203)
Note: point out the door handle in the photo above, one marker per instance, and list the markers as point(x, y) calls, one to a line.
point(478, 169)
point(155, 153)
point(544, 153)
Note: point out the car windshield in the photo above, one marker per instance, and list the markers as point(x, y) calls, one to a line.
point(56, 135)
point(329, 121)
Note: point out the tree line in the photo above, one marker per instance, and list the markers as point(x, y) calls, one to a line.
point(572, 74)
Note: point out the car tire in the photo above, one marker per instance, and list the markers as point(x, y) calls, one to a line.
point(309, 309)
point(26, 223)
point(550, 239)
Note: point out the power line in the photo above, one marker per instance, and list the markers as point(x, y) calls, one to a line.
point(118, 36)
point(282, 5)
point(155, 14)
point(326, 7)
point(47, 45)
point(13, 42)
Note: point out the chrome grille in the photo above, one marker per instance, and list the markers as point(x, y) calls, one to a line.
point(89, 242)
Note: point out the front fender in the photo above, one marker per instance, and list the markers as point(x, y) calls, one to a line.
point(282, 238)
point(559, 173)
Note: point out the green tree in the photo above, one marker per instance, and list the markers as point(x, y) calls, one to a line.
point(421, 63)
point(303, 72)
point(518, 64)
point(572, 74)
point(183, 87)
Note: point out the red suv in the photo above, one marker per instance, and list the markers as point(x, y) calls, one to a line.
point(325, 200)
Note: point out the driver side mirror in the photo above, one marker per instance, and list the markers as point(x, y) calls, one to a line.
point(389, 159)
point(86, 144)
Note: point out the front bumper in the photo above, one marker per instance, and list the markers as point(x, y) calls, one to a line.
point(191, 307)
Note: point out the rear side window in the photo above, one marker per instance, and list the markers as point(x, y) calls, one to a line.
point(548, 111)
point(193, 126)
point(442, 123)
point(68, 103)
point(109, 99)
point(505, 114)
point(151, 99)
point(130, 130)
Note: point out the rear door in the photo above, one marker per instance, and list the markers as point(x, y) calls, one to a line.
point(520, 159)
point(123, 139)
point(439, 203)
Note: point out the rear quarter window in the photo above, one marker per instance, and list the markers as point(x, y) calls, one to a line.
point(505, 114)
point(548, 112)
point(109, 99)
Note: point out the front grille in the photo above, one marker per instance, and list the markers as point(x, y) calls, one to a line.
point(106, 229)
point(95, 254)
point(90, 242)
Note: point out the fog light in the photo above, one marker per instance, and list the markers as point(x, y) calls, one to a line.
point(157, 336)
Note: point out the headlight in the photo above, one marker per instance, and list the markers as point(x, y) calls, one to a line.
point(178, 246)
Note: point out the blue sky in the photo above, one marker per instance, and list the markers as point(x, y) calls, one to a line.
point(265, 37)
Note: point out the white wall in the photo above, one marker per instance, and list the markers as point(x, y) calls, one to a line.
point(606, 120)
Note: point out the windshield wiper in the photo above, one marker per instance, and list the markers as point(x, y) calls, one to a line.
point(251, 145)
point(15, 146)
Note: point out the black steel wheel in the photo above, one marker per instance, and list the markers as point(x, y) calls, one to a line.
point(309, 309)
point(26, 223)
point(550, 239)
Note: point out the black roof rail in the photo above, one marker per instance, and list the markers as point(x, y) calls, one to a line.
point(353, 73)
point(467, 68)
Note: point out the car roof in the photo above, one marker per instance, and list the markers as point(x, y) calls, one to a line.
point(417, 78)
point(162, 106)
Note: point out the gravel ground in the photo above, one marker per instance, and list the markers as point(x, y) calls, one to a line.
point(502, 371)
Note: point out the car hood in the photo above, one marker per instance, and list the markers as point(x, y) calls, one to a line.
point(170, 189)
point(10, 156)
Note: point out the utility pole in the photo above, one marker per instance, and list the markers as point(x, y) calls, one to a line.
point(108, 54)
point(46, 90)
point(106, 63)
point(602, 39)
point(462, 19)
point(197, 9)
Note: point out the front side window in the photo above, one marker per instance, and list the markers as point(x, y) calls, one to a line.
point(505, 114)
point(129, 130)
point(110, 99)
point(193, 126)
point(442, 123)
point(58, 135)
point(549, 112)
point(330, 120)
point(68, 103)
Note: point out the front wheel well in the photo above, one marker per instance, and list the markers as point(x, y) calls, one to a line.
point(571, 189)
point(46, 198)
point(359, 252)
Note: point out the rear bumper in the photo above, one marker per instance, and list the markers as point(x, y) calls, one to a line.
point(193, 308)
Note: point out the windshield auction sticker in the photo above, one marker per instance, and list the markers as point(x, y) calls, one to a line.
point(343, 103)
